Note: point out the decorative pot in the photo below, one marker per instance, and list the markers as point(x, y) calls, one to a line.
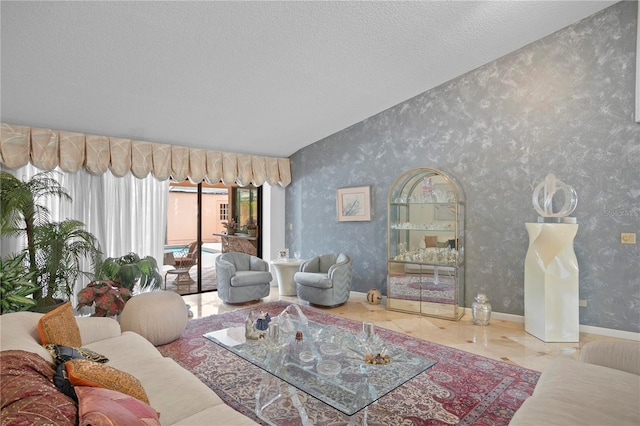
point(374, 296)
point(481, 310)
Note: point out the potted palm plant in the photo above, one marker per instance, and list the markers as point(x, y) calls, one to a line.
point(21, 209)
point(55, 250)
point(60, 250)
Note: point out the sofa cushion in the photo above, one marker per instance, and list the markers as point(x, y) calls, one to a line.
point(59, 327)
point(223, 414)
point(577, 393)
point(127, 352)
point(20, 332)
point(106, 407)
point(82, 372)
point(28, 395)
point(165, 391)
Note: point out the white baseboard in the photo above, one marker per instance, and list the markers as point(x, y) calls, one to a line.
point(609, 332)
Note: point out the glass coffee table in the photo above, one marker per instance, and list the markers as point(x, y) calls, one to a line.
point(346, 370)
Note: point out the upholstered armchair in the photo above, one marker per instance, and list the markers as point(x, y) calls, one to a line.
point(325, 280)
point(242, 277)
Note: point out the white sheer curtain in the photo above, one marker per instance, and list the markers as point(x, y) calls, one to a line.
point(125, 214)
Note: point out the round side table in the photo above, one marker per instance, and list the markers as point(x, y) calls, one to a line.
point(285, 269)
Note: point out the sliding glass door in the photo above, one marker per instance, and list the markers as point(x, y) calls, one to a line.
point(195, 214)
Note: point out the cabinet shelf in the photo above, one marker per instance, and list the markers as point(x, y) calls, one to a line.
point(417, 227)
point(426, 245)
point(420, 203)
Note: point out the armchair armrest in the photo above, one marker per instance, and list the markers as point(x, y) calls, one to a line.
point(93, 329)
point(623, 356)
point(341, 264)
point(224, 269)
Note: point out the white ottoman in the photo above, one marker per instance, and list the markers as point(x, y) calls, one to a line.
point(158, 316)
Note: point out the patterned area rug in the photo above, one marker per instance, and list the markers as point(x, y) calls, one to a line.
point(462, 388)
point(208, 280)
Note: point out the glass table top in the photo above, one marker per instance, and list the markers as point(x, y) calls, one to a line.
point(344, 370)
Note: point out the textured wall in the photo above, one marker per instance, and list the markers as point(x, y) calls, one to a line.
point(563, 105)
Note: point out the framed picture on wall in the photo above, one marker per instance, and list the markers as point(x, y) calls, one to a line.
point(354, 204)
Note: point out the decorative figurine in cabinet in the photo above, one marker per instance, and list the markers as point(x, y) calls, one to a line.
point(426, 245)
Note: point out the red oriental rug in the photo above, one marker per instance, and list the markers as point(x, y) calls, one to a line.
point(461, 388)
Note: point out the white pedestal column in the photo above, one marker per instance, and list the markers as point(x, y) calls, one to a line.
point(551, 283)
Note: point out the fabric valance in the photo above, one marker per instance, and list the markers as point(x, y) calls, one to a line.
point(48, 149)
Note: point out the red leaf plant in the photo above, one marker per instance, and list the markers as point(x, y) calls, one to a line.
point(109, 297)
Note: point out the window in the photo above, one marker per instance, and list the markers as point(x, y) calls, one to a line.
point(224, 211)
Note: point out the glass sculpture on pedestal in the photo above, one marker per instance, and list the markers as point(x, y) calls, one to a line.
point(551, 268)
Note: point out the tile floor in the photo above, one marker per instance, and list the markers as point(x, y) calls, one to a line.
point(501, 340)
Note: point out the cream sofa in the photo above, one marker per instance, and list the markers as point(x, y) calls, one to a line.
point(603, 388)
point(179, 396)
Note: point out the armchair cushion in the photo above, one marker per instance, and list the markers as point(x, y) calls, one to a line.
point(245, 278)
point(313, 279)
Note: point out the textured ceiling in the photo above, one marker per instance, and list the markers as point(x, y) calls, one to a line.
point(253, 77)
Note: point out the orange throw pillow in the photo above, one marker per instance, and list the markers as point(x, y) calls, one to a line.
point(59, 327)
point(82, 372)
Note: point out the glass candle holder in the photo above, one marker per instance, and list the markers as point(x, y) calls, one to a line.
point(274, 330)
point(481, 310)
point(368, 330)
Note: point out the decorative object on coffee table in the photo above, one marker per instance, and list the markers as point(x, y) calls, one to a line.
point(263, 320)
point(250, 331)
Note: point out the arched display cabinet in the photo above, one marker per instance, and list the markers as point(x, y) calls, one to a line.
point(426, 245)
